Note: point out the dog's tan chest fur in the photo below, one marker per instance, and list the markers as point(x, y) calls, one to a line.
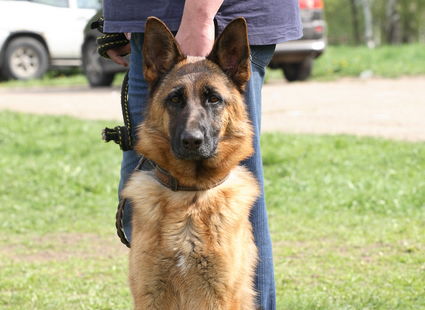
point(189, 243)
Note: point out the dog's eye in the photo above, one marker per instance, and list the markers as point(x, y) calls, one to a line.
point(175, 99)
point(214, 99)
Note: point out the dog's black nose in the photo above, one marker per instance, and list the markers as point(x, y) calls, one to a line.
point(192, 140)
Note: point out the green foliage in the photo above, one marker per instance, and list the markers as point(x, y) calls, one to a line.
point(409, 20)
point(347, 217)
point(384, 61)
point(339, 21)
point(339, 17)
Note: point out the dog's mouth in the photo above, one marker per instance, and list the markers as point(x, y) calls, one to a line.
point(193, 157)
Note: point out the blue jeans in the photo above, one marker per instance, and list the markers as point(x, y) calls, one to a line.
point(137, 96)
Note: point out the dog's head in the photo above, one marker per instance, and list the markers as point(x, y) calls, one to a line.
point(196, 121)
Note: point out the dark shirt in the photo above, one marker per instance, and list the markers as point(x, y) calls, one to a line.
point(269, 21)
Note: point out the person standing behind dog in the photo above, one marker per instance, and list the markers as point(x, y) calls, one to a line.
point(196, 23)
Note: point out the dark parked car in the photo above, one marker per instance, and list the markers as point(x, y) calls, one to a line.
point(99, 71)
point(295, 58)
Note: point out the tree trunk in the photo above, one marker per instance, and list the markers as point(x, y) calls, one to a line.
point(355, 22)
point(368, 23)
point(393, 23)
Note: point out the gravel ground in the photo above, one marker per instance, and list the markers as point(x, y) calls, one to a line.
point(389, 108)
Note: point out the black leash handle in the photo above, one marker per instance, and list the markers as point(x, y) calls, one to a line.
point(121, 134)
point(108, 40)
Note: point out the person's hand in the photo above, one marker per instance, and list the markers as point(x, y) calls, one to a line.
point(115, 54)
point(196, 33)
point(195, 37)
point(112, 45)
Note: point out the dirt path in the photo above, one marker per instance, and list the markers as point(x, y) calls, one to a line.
point(390, 108)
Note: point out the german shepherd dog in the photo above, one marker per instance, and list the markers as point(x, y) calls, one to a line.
point(192, 243)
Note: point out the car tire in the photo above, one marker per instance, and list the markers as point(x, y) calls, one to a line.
point(92, 66)
point(25, 58)
point(299, 71)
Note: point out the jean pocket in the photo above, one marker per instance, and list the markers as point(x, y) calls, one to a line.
point(262, 54)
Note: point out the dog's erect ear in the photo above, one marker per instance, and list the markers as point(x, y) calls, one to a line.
point(231, 52)
point(160, 50)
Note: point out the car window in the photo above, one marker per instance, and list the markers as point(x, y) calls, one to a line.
point(89, 4)
point(59, 3)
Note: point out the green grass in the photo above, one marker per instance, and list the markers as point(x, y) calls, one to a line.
point(347, 217)
point(348, 61)
point(348, 221)
point(385, 61)
point(58, 193)
point(67, 78)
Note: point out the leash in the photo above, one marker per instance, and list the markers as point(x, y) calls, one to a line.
point(120, 210)
point(164, 178)
point(121, 134)
point(119, 224)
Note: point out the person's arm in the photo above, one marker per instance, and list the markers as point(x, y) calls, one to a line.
point(196, 33)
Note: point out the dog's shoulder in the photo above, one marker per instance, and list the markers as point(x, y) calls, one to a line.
point(243, 184)
point(235, 197)
point(140, 184)
point(241, 175)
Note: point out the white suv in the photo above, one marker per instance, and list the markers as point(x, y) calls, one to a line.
point(38, 34)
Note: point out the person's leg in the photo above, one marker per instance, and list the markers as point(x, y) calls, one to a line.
point(264, 280)
point(137, 96)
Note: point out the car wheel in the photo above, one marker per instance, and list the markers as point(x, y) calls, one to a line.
point(25, 58)
point(299, 71)
point(93, 68)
